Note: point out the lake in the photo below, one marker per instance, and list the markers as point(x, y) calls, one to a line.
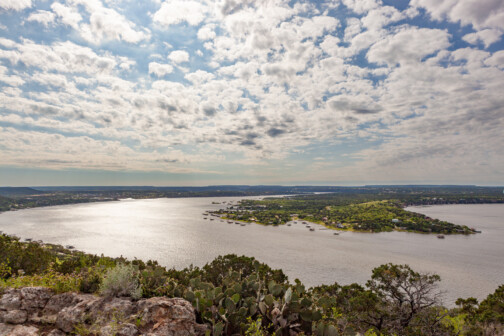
point(174, 232)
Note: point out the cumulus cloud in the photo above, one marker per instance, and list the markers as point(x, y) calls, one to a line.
point(178, 11)
point(478, 13)
point(160, 70)
point(408, 45)
point(179, 56)
point(42, 16)
point(68, 15)
point(206, 33)
point(275, 80)
point(486, 36)
point(16, 5)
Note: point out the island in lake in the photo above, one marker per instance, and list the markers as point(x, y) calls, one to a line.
point(367, 210)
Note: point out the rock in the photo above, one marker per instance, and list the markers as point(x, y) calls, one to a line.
point(125, 329)
point(21, 330)
point(70, 316)
point(56, 304)
point(35, 297)
point(56, 332)
point(62, 313)
point(161, 308)
point(112, 308)
point(5, 329)
point(15, 316)
point(169, 317)
point(11, 300)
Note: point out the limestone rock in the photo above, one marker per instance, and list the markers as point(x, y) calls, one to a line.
point(11, 300)
point(5, 329)
point(23, 310)
point(34, 297)
point(70, 316)
point(21, 330)
point(56, 332)
point(125, 329)
point(14, 316)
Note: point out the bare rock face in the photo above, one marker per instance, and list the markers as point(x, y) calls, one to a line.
point(18, 330)
point(24, 311)
point(169, 317)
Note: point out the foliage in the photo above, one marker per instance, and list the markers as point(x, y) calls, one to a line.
point(121, 280)
point(239, 295)
point(58, 282)
point(343, 213)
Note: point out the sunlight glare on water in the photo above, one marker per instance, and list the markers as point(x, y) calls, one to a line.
point(174, 232)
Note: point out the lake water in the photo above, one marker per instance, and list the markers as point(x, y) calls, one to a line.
point(174, 232)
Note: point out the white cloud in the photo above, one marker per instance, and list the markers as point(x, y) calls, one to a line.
point(16, 5)
point(478, 13)
point(199, 76)
point(206, 32)
point(107, 24)
point(496, 60)
point(361, 6)
point(408, 45)
point(42, 16)
point(486, 36)
point(7, 43)
point(159, 69)
point(68, 15)
point(177, 11)
point(179, 56)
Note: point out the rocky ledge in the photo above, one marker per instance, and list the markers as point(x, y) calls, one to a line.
point(38, 311)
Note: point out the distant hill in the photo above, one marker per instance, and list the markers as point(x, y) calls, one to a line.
point(19, 191)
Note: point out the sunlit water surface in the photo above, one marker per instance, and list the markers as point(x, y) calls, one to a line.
point(174, 232)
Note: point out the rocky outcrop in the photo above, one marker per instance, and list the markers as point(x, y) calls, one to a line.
point(38, 311)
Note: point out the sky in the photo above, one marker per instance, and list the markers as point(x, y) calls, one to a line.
point(200, 92)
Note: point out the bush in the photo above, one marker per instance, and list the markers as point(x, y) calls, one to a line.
point(58, 282)
point(121, 280)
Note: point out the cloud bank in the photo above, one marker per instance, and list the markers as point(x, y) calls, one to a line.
point(256, 89)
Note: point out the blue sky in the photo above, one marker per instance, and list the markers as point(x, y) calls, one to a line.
point(187, 92)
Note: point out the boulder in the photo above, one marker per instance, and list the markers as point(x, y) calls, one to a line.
point(72, 315)
point(33, 298)
point(5, 329)
point(56, 332)
point(125, 329)
point(14, 316)
point(23, 310)
point(21, 330)
point(11, 300)
point(169, 317)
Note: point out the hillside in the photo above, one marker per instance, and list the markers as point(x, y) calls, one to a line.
point(230, 295)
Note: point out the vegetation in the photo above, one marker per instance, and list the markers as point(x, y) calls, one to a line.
point(374, 216)
point(122, 280)
point(239, 295)
point(22, 198)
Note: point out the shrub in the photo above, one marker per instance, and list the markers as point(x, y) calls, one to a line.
point(121, 280)
point(91, 279)
point(58, 282)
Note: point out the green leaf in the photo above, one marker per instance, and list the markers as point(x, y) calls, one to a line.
point(306, 302)
point(331, 331)
point(262, 307)
point(235, 298)
point(218, 328)
point(268, 299)
point(306, 315)
point(277, 290)
point(288, 295)
point(230, 305)
point(253, 309)
point(189, 296)
point(316, 315)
